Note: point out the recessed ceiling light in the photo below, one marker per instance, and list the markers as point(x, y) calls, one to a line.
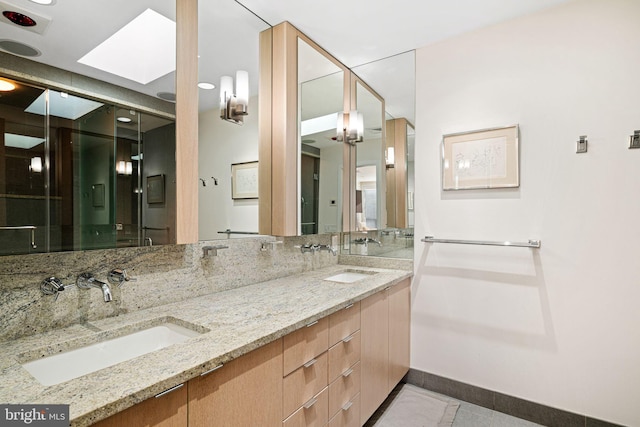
point(206, 85)
point(18, 48)
point(122, 119)
point(6, 86)
point(44, 2)
point(142, 51)
point(167, 96)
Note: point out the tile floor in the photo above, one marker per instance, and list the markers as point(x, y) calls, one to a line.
point(468, 415)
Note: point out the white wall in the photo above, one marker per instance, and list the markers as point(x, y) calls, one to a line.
point(220, 144)
point(559, 325)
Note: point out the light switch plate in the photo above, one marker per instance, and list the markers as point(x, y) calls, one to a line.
point(581, 145)
point(634, 140)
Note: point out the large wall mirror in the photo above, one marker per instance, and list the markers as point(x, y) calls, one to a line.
point(321, 98)
point(87, 127)
point(228, 152)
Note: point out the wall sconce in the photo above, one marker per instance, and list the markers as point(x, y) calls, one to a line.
point(390, 158)
point(36, 164)
point(233, 105)
point(350, 127)
point(124, 168)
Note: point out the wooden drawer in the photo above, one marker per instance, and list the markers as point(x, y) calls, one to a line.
point(304, 383)
point(348, 416)
point(344, 322)
point(344, 355)
point(304, 344)
point(344, 389)
point(314, 412)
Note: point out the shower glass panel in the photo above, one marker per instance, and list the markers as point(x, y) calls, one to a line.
point(72, 176)
point(23, 202)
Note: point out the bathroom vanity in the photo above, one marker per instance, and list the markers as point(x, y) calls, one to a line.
point(324, 347)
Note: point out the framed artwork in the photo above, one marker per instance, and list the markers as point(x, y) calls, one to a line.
point(244, 180)
point(485, 158)
point(155, 189)
point(97, 195)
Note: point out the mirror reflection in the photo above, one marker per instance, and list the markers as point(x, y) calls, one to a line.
point(321, 98)
point(92, 128)
point(227, 151)
point(73, 171)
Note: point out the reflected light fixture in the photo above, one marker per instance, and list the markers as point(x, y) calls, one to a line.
point(6, 86)
point(390, 158)
point(233, 105)
point(36, 164)
point(124, 168)
point(350, 127)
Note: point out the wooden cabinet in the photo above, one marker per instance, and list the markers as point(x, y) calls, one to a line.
point(245, 392)
point(374, 328)
point(384, 333)
point(168, 410)
point(399, 331)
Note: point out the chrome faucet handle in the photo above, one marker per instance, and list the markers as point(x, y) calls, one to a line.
point(270, 244)
point(118, 276)
point(53, 286)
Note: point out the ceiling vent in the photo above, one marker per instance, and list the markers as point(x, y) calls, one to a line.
point(18, 16)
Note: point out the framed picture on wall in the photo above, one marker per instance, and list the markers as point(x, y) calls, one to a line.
point(155, 189)
point(486, 158)
point(244, 180)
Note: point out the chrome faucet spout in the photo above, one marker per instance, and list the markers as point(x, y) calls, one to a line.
point(88, 281)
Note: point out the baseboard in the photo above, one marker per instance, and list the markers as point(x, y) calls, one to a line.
point(530, 411)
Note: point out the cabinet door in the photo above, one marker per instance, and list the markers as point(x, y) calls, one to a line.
point(374, 357)
point(169, 410)
point(399, 333)
point(245, 392)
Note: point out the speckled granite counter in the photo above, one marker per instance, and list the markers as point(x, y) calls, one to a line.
point(238, 321)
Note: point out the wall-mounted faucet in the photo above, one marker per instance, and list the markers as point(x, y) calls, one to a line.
point(328, 248)
point(365, 241)
point(308, 247)
point(88, 281)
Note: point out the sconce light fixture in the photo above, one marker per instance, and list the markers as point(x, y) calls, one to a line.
point(124, 168)
point(36, 164)
point(390, 158)
point(233, 105)
point(350, 127)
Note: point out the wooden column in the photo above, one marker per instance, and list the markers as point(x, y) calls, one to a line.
point(186, 121)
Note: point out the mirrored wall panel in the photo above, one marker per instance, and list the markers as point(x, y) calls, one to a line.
point(81, 174)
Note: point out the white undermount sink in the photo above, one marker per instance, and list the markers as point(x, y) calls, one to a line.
point(349, 276)
point(71, 364)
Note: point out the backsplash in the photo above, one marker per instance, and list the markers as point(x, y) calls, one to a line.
point(164, 274)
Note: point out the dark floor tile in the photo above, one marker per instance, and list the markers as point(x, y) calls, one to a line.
point(458, 390)
point(537, 413)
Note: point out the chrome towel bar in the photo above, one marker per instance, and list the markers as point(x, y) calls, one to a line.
point(529, 244)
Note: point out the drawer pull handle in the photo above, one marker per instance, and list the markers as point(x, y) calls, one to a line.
point(167, 391)
point(310, 363)
point(387, 288)
point(347, 406)
point(348, 307)
point(347, 339)
point(310, 403)
point(347, 372)
point(312, 323)
point(211, 370)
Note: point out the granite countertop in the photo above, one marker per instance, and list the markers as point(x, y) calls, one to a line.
point(237, 321)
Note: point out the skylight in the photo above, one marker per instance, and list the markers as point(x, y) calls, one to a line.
point(63, 105)
point(142, 51)
point(21, 141)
